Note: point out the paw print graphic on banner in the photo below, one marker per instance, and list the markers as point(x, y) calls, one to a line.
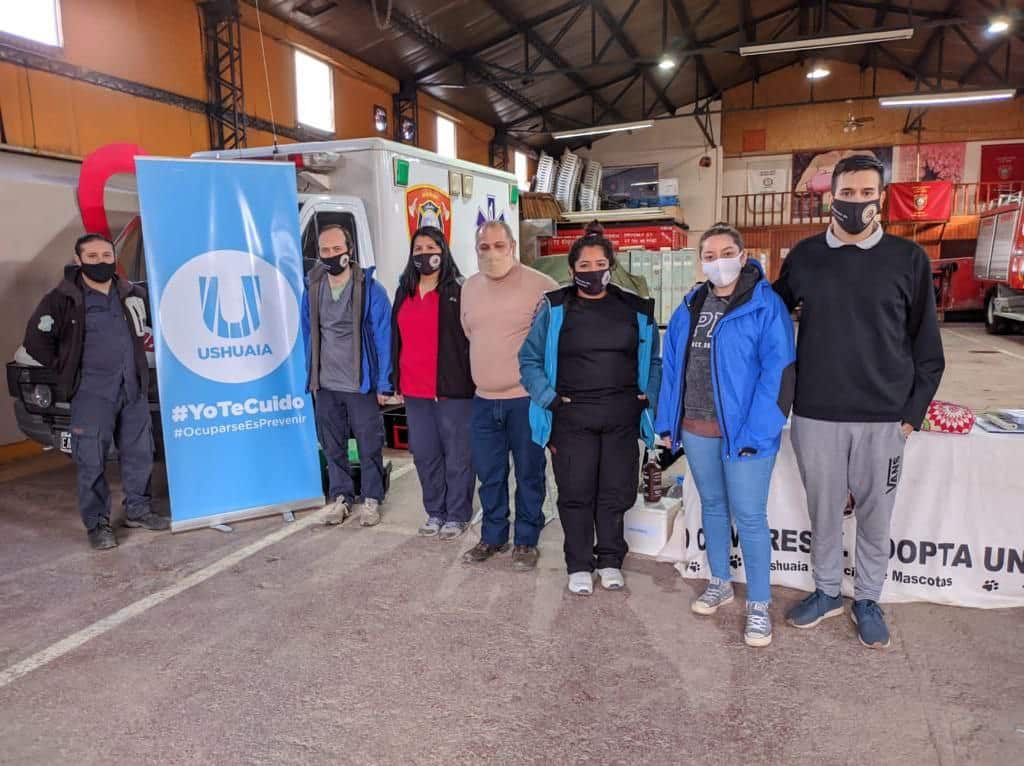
point(694, 566)
point(990, 585)
point(735, 561)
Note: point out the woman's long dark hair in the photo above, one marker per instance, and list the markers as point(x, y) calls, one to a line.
point(410, 278)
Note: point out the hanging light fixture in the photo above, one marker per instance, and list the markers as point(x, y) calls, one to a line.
point(818, 71)
point(998, 25)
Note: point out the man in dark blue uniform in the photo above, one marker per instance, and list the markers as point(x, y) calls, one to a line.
point(90, 330)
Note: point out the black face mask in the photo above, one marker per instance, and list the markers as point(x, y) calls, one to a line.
point(592, 282)
point(427, 263)
point(99, 272)
point(854, 217)
point(336, 265)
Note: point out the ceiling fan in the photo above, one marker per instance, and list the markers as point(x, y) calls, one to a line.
point(852, 124)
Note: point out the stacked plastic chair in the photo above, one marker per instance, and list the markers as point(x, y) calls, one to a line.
point(547, 172)
point(590, 187)
point(568, 181)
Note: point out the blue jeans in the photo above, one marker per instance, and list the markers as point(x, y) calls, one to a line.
point(736, 489)
point(501, 426)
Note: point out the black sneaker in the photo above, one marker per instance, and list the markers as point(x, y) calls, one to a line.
point(101, 537)
point(149, 520)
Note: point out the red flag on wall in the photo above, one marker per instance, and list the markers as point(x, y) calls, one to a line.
point(1002, 170)
point(927, 201)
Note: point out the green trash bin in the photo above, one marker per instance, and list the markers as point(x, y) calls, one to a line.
point(353, 460)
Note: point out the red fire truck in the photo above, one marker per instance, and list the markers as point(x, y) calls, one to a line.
point(999, 262)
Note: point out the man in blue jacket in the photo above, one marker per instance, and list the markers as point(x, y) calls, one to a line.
point(346, 323)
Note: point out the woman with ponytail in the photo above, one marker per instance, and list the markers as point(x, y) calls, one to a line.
point(430, 369)
point(591, 367)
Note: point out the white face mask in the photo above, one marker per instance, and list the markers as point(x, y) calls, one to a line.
point(724, 271)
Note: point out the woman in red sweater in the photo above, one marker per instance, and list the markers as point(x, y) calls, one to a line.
point(430, 370)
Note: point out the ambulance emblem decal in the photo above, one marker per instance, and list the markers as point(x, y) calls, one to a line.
point(429, 206)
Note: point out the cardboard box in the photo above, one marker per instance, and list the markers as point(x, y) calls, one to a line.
point(648, 528)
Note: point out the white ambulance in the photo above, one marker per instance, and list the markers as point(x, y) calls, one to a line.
point(382, 191)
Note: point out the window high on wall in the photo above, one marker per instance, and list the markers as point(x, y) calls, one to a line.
point(314, 90)
point(36, 20)
point(522, 171)
point(446, 137)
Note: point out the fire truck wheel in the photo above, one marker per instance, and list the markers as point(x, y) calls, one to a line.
point(994, 325)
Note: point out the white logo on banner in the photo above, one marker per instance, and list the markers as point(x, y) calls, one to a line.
point(229, 316)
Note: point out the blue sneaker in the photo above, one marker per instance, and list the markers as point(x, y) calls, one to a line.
point(870, 621)
point(813, 609)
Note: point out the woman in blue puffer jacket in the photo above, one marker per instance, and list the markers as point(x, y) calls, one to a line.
point(727, 387)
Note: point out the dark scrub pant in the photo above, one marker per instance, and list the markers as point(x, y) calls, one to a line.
point(439, 437)
point(596, 461)
point(96, 423)
point(340, 416)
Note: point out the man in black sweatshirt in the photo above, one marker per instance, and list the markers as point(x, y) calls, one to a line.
point(869, 360)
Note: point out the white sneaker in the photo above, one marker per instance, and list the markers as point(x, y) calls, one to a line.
point(611, 578)
point(581, 583)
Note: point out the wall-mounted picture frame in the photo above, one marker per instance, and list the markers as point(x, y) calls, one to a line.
point(380, 118)
point(408, 129)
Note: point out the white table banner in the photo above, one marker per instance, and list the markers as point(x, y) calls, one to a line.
point(957, 532)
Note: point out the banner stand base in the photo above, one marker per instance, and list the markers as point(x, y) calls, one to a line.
point(223, 521)
point(288, 516)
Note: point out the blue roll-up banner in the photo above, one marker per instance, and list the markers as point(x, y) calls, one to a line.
point(224, 269)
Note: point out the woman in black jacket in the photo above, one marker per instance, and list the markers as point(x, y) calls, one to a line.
point(430, 370)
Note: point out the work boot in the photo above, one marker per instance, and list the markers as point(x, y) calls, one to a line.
point(340, 511)
point(524, 558)
point(101, 537)
point(370, 517)
point(481, 552)
point(149, 520)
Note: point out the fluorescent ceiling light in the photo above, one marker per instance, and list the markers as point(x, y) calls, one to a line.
point(942, 99)
point(818, 72)
point(832, 41)
point(645, 183)
point(998, 25)
point(667, 63)
point(602, 129)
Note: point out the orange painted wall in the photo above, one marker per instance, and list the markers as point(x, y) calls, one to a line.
point(158, 43)
point(819, 126)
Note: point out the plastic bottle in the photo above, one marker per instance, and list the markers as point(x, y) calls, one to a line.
point(676, 490)
point(652, 478)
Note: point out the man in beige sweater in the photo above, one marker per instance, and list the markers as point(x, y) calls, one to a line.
point(498, 305)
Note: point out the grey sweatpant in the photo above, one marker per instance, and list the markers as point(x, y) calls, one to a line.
point(864, 459)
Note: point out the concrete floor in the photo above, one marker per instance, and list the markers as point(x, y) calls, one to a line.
point(371, 646)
